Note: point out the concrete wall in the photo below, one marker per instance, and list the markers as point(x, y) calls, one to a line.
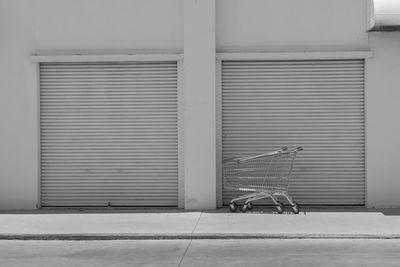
point(252, 25)
point(291, 25)
point(199, 94)
point(382, 120)
point(27, 26)
point(104, 24)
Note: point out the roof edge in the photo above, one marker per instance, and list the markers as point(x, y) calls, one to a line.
point(385, 28)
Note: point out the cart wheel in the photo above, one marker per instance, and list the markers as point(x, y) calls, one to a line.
point(233, 206)
point(296, 208)
point(250, 206)
point(280, 207)
point(244, 208)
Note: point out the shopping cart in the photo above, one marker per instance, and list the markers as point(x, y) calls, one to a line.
point(262, 176)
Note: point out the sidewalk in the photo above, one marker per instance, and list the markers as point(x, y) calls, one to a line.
point(220, 224)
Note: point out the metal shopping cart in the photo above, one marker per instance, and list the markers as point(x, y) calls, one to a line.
point(262, 176)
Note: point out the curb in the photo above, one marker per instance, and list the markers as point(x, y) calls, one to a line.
point(88, 237)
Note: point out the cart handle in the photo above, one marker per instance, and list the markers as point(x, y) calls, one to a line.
point(247, 158)
point(244, 159)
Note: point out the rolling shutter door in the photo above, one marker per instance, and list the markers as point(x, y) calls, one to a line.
point(318, 104)
point(109, 134)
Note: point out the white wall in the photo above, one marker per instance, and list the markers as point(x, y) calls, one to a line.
point(27, 26)
point(387, 12)
point(382, 120)
point(291, 25)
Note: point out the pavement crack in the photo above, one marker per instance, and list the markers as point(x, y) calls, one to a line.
point(184, 253)
point(197, 223)
point(191, 239)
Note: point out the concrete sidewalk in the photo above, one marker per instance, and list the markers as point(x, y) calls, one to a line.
point(169, 224)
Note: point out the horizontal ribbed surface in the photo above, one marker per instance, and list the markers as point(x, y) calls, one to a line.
point(109, 134)
point(315, 104)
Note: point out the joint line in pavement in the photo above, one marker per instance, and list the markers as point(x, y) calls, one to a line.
point(191, 240)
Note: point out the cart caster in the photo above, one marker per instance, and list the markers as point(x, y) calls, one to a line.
point(250, 206)
point(296, 208)
point(280, 207)
point(244, 208)
point(233, 206)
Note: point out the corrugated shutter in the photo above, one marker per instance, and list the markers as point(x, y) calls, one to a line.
point(318, 104)
point(109, 134)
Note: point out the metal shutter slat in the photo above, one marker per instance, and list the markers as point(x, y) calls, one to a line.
point(109, 134)
point(318, 104)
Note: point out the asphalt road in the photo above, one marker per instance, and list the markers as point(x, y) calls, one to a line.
point(270, 252)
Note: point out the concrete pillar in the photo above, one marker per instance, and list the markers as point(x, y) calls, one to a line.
point(199, 106)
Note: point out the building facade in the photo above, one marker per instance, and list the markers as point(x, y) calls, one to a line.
point(136, 103)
